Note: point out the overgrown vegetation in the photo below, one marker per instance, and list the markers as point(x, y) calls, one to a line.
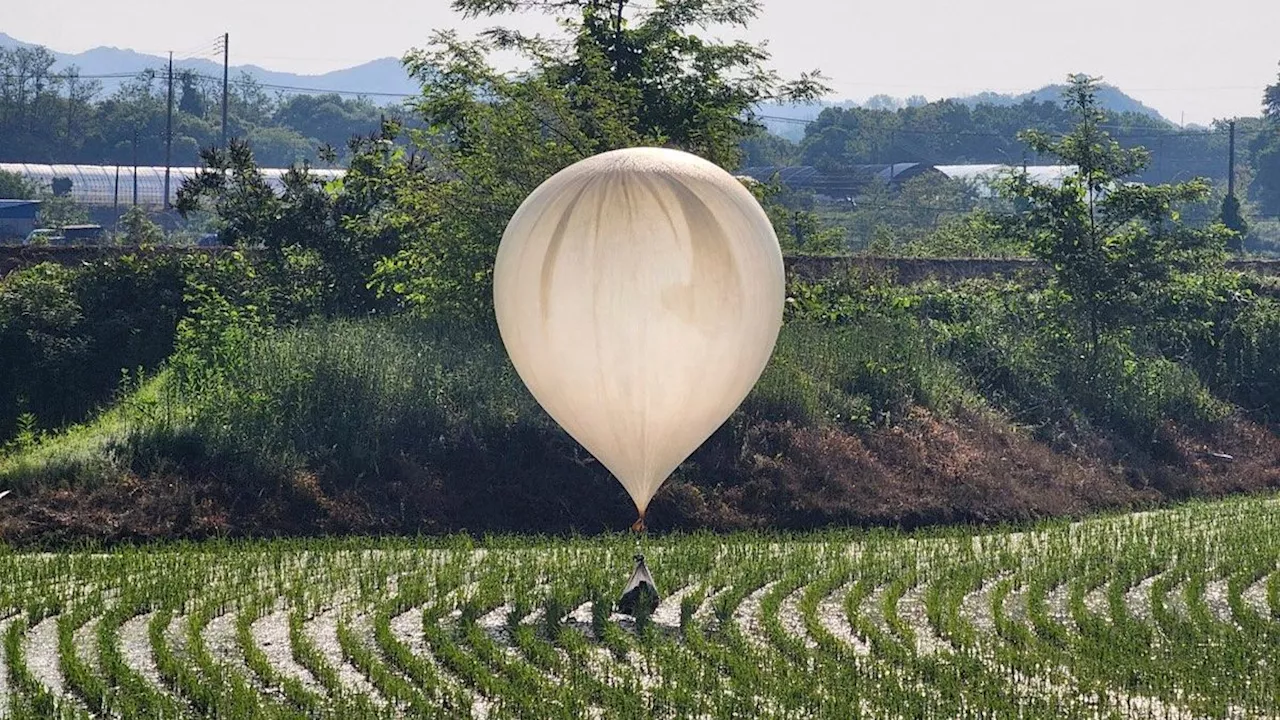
point(13, 186)
point(401, 424)
point(350, 377)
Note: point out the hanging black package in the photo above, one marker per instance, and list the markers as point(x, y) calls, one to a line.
point(641, 593)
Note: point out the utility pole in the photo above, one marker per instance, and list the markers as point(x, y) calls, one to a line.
point(1231, 160)
point(168, 135)
point(226, 71)
point(135, 167)
point(71, 101)
point(617, 34)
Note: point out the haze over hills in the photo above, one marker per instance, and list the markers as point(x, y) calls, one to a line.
point(385, 81)
point(788, 120)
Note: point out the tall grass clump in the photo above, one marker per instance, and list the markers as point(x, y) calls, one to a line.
point(857, 375)
point(1245, 369)
point(1012, 343)
point(338, 397)
point(348, 396)
point(86, 454)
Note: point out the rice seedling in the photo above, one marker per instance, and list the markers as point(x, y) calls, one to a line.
point(1170, 614)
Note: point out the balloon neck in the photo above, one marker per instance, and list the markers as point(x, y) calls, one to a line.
point(638, 526)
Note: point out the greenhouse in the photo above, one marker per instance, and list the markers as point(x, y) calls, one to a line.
point(985, 177)
point(113, 185)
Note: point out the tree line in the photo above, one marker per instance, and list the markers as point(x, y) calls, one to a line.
point(948, 132)
point(49, 116)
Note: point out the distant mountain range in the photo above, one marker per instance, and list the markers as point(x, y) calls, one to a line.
point(385, 80)
point(1109, 97)
point(788, 120)
point(382, 80)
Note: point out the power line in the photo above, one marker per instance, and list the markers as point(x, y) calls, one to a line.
point(156, 72)
point(74, 76)
point(335, 91)
point(201, 51)
point(1141, 134)
point(206, 55)
point(1123, 129)
point(318, 90)
point(1021, 91)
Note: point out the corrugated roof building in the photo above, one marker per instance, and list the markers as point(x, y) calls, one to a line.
point(849, 182)
point(17, 218)
point(838, 183)
point(984, 177)
point(19, 209)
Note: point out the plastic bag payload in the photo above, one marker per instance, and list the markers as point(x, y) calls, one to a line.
point(640, 596)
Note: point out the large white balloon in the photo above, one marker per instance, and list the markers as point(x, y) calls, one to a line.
point(639, 294)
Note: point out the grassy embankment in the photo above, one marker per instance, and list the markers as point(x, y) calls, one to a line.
point(882, 405)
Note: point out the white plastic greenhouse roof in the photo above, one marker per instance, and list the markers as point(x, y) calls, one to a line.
point(97, 185)
point(984, 175)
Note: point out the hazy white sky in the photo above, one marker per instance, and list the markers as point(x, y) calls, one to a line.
point(1205, 59)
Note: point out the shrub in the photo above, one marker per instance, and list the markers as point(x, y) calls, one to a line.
point(854, 375)
point(66, 335)
point(15, 186)
point(137, 228)
point(346, 398)
point(1247, 371)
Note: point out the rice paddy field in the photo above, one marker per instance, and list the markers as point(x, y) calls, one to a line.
point(1169, 614)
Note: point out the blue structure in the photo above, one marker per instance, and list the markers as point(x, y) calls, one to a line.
point(19, 209)
point(17, 218)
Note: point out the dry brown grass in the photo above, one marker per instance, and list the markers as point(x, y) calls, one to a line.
point(926, 470)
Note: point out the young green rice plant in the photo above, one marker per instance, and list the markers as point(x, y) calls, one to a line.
point(134, 695)
point(1273, 594)
point(1166, 616)
point(31, 699)
point(82, 679)
point(393, 686)
point(306, 654)
point(293, 689)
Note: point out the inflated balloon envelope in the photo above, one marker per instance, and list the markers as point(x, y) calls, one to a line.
point(639, 294)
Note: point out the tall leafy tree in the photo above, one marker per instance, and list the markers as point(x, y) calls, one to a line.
point(329, 119)
point(1271, 101)
point(301, 225)
point(622, 74)
point(43, 113)
point(1121, 255)
point(947, 132)
point(191, 100)
point(14, 186)
point(1266, 151)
